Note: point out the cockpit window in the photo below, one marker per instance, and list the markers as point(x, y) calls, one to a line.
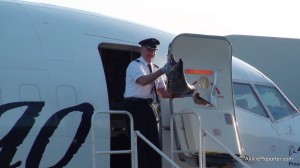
point(276, 103)
point(246, 98)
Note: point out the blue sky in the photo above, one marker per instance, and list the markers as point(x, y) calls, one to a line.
point(277, 18)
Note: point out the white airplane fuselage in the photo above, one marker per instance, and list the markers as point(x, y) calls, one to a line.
point(58, 66)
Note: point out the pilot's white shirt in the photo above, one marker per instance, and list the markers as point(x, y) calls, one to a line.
point(135, 70)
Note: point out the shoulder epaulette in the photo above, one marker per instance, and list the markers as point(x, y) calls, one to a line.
point(137, 60)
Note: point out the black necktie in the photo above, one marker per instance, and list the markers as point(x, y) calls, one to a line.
point(154, 86)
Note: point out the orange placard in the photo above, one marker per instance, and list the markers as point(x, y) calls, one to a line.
point(198, 71)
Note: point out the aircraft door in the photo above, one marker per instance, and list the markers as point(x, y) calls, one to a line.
point(207, 66)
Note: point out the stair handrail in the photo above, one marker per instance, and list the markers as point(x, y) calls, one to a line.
point(224, 147)
point(156, 149)
point(200, 154)
point(201, 142)
point(132, 143)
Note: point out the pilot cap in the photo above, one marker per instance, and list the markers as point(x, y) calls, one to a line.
point(151, 43)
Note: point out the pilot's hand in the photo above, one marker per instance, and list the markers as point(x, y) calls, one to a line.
point(165, 68)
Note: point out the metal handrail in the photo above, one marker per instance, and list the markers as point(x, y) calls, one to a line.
point(200, 156)
point(228, 150)
point(132, 143)
point(156, 149)
point(201, 143)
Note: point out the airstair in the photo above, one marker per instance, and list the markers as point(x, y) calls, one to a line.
point(136, 134)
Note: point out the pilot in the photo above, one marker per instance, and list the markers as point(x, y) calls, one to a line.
point(144, 84)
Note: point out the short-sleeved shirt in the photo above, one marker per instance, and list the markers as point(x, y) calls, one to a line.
point(136, 69)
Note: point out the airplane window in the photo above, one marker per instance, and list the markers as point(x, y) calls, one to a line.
point(276, 103)
point(246, 98)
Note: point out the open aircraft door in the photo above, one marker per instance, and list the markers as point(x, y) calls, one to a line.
point(207, 65)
